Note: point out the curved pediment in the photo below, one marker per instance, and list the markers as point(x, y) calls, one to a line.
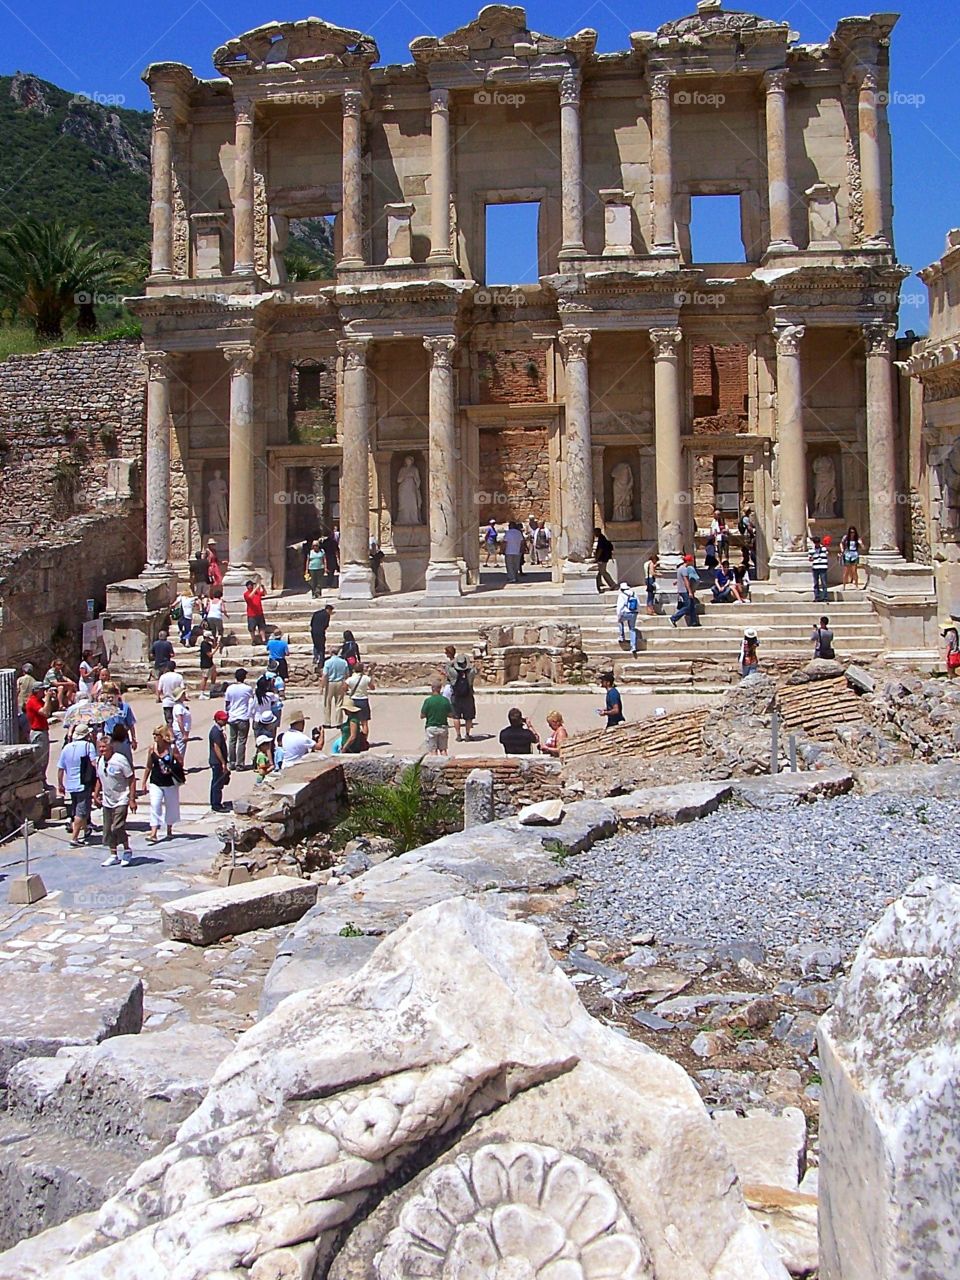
point(499, 30)
point(712, 21)
point(287, 43)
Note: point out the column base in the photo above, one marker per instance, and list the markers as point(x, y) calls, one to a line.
point(665, 251)
point(351, 264)
point(444, 580)
point(903, 595)
point(356, 582)
point(440, 258)
point(235, 582)
point(579, 578)
point(790, 571)
point(780, 246)
point(572, 251)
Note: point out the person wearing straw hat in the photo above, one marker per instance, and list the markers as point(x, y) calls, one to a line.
point(749, 658)
point(297, 743)
point(948, 629)
point(352, 738)
point(76, 772)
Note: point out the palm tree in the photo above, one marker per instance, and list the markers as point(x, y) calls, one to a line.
point(301, 266)
point(398, 810)
point(49, 270)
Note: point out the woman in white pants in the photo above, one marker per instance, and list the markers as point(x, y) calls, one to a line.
point(162, 778)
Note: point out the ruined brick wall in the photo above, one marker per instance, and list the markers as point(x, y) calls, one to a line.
point(513, 376)
point(64, 414)
point(720, 388)
point(514, 474)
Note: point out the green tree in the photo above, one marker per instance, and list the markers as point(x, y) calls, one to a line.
point(301, 266)
point(49, 271)
point(398, 810)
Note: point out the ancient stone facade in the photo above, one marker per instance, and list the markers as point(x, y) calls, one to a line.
point(651, 384)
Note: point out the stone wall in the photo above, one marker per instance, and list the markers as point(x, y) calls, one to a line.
point(514, 474)
point(21, 787)
point(517, 780)
point(515, 375)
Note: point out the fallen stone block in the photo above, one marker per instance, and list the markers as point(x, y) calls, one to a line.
point(783, 790)
point(548, 813)
point(664, 806)
point(478, 798)
point(204, 918)
point(42, 1013)
point(766, 1149)
point(941, 779)
point(859, 679)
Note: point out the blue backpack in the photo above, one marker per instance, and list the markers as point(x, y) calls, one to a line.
point(633, 605)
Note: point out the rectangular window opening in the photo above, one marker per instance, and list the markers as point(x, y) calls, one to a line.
point(512, 243)
point(728, 485)
point(310, 253)
point(715, 229)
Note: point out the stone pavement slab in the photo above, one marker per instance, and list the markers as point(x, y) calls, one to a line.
point(204, 918)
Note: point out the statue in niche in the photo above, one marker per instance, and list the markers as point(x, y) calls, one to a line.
point(825, 500)
point(409, 497)
point(622, 477)
point(218, 508)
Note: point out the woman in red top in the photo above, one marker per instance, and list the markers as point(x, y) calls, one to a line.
point(214, 567)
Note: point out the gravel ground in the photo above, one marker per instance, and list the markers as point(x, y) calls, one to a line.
point(817, 873)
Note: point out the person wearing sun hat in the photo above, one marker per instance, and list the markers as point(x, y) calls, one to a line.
point(352, 738)
point(263, 757)
point(297, 743)
point(749, 659)
point(951, 637)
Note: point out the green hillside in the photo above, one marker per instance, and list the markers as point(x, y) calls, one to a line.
point(74, 159)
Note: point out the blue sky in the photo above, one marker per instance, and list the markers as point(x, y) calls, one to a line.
point(102, 47)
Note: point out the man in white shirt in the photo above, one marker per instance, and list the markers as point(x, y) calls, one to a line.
point(513, 550)
point(168, 686)
point(116, 791)
point(297, 744)
point(238, 702)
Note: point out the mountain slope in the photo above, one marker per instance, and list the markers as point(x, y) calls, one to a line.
point(63, 156)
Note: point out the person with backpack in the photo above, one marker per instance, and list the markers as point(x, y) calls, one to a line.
point(163, 776)
point(628, 606)
point(76, 777)
point(462, 701)
point(822, 638)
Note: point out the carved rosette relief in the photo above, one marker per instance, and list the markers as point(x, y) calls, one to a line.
point(514, 1211)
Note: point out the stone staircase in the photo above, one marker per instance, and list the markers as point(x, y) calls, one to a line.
point(405, 635)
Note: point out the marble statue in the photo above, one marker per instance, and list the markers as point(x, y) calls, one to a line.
point(825, 499)
point(622, 477)
point(218, 510)
point(409, 498)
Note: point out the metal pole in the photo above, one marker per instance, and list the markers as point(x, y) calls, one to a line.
point(26, 849)
point(774, 743)
point(792, 749)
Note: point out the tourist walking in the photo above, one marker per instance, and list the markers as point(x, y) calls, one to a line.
point(819, 559)
point(238, 704)
point(513, 550)
point(687, 582)
point(115, 792)
point(952, 643)
point(725, 587)
point(358, 687)
point(552, 744)
point(491, 540)
point(278, 650)
point(119, 735)
point(851, 549)
point(319, 622)
point(253, 597)
point(822, 638)
point(163, 777)
point(434, 712)
point(76, 775)
point(124, 713)
point(182, 723)
point(612, 702)
point(161, 654)
point(335, 672)
point(38, 709)
point(168, 686)
point(213, 565)
point(217, 759)
point(316, 569)
point(449, 671)
point(183, 615)
point(748, 533)
point(209, 648)
point(462, 701)
point(297, 744)
point(749, 656)
point(26, 683)
point(198, 574)
point(628, 606)
point(267, 706)
point(519, 736)
point(216, 612)
point(603, 554)
point(650, 571)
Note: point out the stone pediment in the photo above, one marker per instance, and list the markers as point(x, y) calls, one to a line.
point(278, 44)
point(712, 25)
point(498, 31)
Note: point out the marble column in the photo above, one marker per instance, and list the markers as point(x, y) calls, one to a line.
point(157, 479)
point(243, 254)
point(882, 482)
point(578, 451)
point(352, 179)
point(443, 572)
point(661, 163)
point(778, 178)
point(161, 195)
point(356, 578)
point(673, 493)
point(243, 463)
point(440, 176)
point(791, 554)
point(871, 169)
point(571, 167)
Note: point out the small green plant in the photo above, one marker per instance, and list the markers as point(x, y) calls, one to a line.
point(743, 1033)
point(533, 370)
point(66, 476)
point(559, 852)
point(816, 1078)
point(922, 815)
point(400, 811)
point(108, 436)
point(350, 930)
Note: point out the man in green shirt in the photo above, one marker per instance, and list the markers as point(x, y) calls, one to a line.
point(434, 713)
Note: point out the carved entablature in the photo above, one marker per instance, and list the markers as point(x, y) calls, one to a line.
point(941, 384)
point(289, 44)
point(498, 40)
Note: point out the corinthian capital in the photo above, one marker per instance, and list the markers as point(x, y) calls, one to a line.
point(660, 86)
point(439, 101)
point(574, 343)
point(788, 338)
point(239, 356)
point(158, 365)
point(878, 337)
point(776, 81)
point(352, 102)
point(666, 343)
point(868, 81)
point(570, 88)
point(243, 111)
point(441, 351)
point(353, 352)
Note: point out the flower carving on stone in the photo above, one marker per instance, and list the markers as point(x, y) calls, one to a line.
point(514, 1211)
